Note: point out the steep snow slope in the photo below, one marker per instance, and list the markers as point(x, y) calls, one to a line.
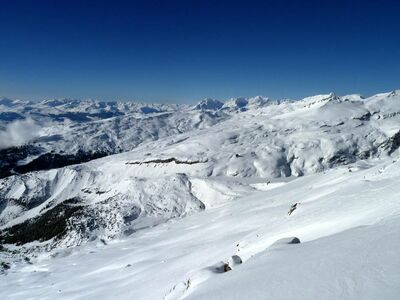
point(347, 223)
point(108, 198)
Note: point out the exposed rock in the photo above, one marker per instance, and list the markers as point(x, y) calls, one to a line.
point(292, 208)
point(54, 160)
point(236, 260)
point(167, 160)
point(52, 224)
point(221, 267)
point(294, 240)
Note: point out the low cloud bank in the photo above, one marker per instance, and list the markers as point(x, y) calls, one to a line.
point(18, 133)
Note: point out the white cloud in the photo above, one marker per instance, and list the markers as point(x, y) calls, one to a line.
point(18, 133)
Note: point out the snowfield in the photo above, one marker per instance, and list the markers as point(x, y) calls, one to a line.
point(348, 224)
point(247, 199)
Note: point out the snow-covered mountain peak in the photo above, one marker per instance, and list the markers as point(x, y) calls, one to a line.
point(54, 102)
point(318, 99)
point(236, 104)
point(394, 93)
point(6, 102)
point(260, 101)
point(353, 97)
point(209, 104)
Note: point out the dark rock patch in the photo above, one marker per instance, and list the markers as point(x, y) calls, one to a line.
point(365, 117)
point(10, 157)
point(392, 144)
point(221, 267)
point(10, 116)
point(51, 224)
point(4, 266)
point(292, 208)
point(236, 260)
point(167, 160)
point(54, 160)
point(294, 240)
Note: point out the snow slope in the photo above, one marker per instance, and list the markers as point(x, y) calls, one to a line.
point(347, 223)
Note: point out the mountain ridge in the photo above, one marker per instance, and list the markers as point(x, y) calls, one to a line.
point(263, 142)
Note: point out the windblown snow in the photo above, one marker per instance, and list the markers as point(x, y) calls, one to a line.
point(252, 198)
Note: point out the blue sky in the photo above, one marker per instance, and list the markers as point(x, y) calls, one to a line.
point(181, 51)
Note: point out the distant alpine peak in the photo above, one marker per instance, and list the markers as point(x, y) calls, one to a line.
point(394, 93)
point(331, 97)
point(321, 98)
point(353, 97)
point(239, 102)
point(5, 101)
point(54, 102)
point(259, 100)
point(209, 104)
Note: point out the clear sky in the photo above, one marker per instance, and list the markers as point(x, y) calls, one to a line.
point(181, 51)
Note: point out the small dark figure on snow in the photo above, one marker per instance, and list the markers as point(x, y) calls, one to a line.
point(292, 208)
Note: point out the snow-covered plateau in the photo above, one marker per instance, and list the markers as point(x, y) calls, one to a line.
point(251, 198)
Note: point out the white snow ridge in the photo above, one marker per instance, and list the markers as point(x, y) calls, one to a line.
point(251, 198)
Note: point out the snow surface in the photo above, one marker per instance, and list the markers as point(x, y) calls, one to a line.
point(347, 222)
